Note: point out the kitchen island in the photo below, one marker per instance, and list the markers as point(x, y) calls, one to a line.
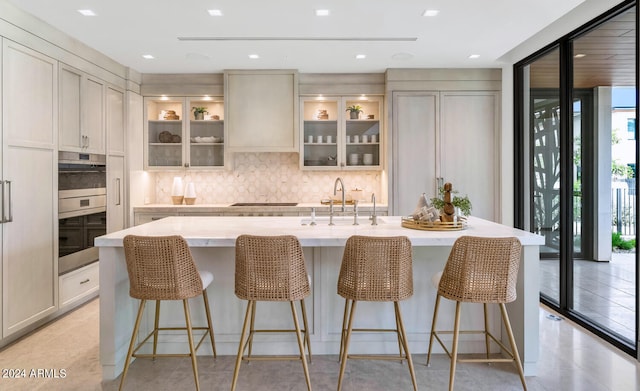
point(212, 241)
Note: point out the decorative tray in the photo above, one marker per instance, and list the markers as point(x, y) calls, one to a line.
point(409, 222)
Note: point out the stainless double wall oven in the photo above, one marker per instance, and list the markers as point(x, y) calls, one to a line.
point(82, 206)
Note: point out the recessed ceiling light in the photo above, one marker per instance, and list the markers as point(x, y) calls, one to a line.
point(474, 56)
point(579, 55)
point(87, 12)
point(215, 12)
point(430, 12)
point(164, 97)
point(254, 56)
point(148, 56)
point(322, 12)
point(361, 56)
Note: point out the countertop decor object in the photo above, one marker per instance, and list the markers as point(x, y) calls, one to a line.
point(190, 194)
point(410, 222)
point(198, 112)
point(354, 111)
point(177, 191)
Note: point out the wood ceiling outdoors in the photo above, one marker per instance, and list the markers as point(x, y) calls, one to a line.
point(609, 57)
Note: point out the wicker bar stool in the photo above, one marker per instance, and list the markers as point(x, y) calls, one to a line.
point(161, 268)
point(479, 270)
point(271, 268)
point(375, 269)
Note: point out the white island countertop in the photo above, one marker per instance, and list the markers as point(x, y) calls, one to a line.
point(216, 231)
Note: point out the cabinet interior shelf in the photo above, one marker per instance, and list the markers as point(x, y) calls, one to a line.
point(207, 121)
point(164, 121)
point(376, 143)
point(207, 144)
point(319, 144)
point(323, 121)
point(372, 121)
point(166, 144)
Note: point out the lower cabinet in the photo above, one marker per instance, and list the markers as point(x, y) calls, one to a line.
point(143, 218)
point(79, 284)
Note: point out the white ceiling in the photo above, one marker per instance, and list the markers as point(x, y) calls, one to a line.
point(383, 30)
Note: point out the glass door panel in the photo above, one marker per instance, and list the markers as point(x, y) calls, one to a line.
point(543, 96)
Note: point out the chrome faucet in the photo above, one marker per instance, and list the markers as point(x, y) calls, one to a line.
point(374, 217)
point(335, 190)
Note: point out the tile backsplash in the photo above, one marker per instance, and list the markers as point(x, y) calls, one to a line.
point(265, 177)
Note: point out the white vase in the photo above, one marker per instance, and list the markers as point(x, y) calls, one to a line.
point(177, 191)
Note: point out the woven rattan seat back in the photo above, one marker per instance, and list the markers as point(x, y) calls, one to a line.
point(376, 269)
point(481, 270)
point(161, 268)
point(270, 268)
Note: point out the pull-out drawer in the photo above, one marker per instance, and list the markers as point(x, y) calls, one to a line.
point(79, 284)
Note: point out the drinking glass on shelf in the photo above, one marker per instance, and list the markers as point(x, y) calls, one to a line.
point(364, 138)
point(319, 139)
point(310, 139)
point(329, 139)
point(356, 139)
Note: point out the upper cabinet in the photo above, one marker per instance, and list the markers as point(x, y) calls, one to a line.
point(182, 132)
point(81, 111)
point(342, 132)
point(261, 110)
point(115, 121)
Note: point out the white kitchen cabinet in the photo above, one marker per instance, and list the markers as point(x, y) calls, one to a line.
point(115, 193)
point(262, 110)
point(143, 218)
point(81, 111)
point(29, 196)
point(445, 136)
point(183, 142)
point(115, 121)
point(330, 138)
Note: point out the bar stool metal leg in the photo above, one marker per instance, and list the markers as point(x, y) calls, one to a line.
point(345, 351)
point(192, 349)
point(305, 367)
point(433, 328)
point(454, 347)
point(514, 347)
point(133, 342)
point(345, 317)
point(486, 328)
point(405, 345)
point(252, 328)
point(242, 345)
point(209, 323)
point(155, 329)
point(307, 340)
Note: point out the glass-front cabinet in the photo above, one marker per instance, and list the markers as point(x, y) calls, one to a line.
point(184, 132)
point(341, 132)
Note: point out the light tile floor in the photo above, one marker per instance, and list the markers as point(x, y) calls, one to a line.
point(603, 291)
point(570, 359)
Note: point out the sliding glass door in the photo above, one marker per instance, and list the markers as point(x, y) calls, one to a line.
point(576, 114)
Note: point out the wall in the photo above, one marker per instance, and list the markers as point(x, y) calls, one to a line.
point(263, 177)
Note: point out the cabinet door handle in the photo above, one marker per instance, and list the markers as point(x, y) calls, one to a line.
point(118, 191)
point(10, 218)
point(85, 281)
point(2, 201)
